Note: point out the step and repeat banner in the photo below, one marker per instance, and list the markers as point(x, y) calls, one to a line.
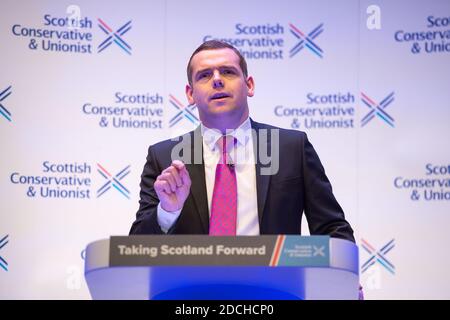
point(87, 86)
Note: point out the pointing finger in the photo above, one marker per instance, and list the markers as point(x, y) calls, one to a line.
point(178, 164)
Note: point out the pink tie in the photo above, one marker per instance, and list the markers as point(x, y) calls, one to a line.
point(224, 199)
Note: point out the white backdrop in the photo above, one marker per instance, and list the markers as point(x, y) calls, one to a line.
point(81, 102)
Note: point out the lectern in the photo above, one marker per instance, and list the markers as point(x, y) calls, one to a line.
point(191, 267)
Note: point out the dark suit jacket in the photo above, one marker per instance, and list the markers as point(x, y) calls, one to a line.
point(300, 185)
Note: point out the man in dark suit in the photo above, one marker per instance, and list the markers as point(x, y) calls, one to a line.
point(196, 185)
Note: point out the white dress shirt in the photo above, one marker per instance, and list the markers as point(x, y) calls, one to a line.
point(242, 156)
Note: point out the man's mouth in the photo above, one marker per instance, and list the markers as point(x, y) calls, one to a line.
point(220, 95)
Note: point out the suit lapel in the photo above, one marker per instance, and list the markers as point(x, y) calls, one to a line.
point(262, 181)
point(196, 171)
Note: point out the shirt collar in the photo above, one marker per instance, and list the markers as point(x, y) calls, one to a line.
point(241, 133)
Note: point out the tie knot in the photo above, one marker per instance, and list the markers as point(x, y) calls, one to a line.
point(226, 144)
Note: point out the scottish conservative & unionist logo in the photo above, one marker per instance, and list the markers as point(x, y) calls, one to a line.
point(321, 111)
point(434, 38)
point(73, 180)
point(127, 111)
point(432, 185)
point(75, 35)
point(273, 41)
point(337, 110)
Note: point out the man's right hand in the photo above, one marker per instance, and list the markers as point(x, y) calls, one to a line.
point(172, 186)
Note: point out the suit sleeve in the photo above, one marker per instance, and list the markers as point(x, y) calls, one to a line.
point(324, 214)
point(146, 217)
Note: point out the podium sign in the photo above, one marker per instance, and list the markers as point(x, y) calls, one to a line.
point(205, 267)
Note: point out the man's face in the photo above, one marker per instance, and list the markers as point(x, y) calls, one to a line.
point(219, 88)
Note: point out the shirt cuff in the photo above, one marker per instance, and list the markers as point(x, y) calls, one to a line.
point(166, 219)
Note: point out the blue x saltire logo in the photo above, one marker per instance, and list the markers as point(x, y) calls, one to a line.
point(377, 109)
point(3, 263)
point(306, 40)
point(113, 181)
point(114, 36)
point(183, 112)
point(3, 111)
point(378, 256)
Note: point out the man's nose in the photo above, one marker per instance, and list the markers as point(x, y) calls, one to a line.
point(217, 80)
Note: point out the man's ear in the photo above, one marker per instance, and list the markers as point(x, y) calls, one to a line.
point(250, 86)
point(189, 94)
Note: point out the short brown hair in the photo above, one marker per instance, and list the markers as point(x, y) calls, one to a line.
point(215, 45)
